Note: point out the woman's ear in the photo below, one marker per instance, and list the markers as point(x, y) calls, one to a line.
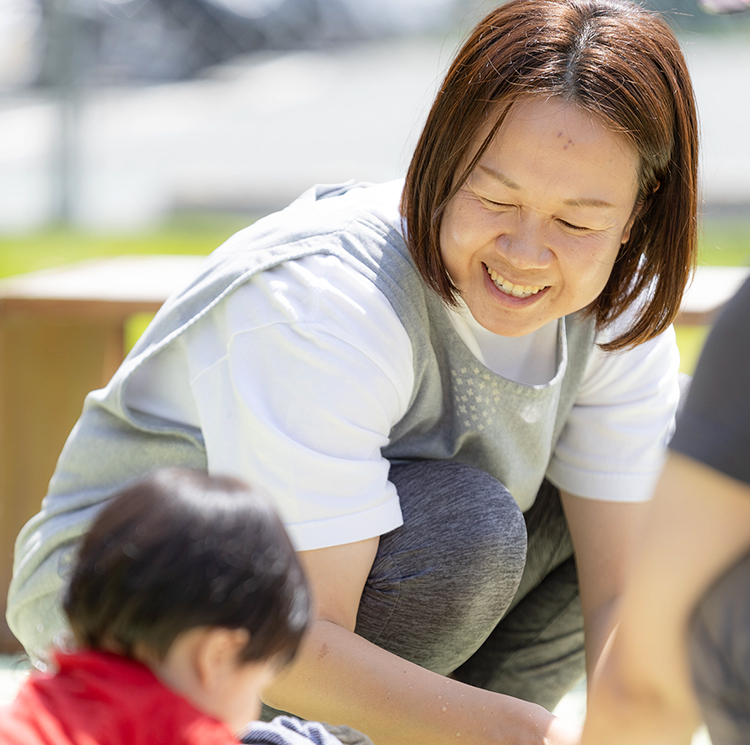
point(641, 205)
point(216, 655)
point(629, 225)
point(638, 210)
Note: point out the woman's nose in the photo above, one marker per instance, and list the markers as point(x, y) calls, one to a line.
point(524, 243)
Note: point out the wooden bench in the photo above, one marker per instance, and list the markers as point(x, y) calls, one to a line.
point(62, 335)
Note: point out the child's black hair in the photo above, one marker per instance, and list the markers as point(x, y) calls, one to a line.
point(182, 549)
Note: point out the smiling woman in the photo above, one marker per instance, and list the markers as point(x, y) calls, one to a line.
point(622, 67)
point(534, 231)
point(458, 387)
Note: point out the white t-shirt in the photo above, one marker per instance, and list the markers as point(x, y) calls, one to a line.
point(297, 378)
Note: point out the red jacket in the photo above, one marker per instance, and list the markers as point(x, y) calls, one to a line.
point(104, 699)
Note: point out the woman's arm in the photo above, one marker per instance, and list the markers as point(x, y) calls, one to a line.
point(698, 525)
point(604, 535)
point(341, 678)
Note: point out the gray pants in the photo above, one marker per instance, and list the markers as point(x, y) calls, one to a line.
point(720, 656)
point(472, 588)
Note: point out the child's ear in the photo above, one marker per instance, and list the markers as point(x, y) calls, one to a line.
point(216, 654)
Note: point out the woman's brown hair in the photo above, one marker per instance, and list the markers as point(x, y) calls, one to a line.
point(623, 65)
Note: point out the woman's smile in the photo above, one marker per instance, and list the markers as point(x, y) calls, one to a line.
point(533, 233)
point(507, 287)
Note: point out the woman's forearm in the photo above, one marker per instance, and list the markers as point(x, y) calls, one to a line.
point(629, 704)
point(341, 678)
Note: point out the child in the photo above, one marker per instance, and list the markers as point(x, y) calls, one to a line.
point(184, 601)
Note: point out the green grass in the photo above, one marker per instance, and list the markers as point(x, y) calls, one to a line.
point(724, 242)
point(690, 340)
point(57, 246)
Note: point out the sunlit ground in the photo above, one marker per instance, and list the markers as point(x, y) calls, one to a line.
point(13, 670)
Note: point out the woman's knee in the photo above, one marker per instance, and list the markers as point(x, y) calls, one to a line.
point(462, 518)
point(442, 581)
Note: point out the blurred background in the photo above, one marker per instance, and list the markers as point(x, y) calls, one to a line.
point(162, 126)
point(119, 115)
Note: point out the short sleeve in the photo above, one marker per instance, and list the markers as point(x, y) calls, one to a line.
point(614, 442)
point(298, 378)
point(714, 426)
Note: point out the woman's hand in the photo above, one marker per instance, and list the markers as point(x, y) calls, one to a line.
point(341, 678)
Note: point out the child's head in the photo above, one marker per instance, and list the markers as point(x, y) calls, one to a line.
point(180, 553)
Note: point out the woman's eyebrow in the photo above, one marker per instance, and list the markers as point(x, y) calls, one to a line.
point(492, 173)
point(586, 202)
point(580, 202)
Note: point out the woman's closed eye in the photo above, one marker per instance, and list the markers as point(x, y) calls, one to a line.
point(504, 206)
point(574, 228)
point(497, 205)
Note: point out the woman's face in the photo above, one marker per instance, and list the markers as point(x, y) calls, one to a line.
point(534, 232)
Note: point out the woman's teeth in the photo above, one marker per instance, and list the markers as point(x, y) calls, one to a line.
point(509, 288)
